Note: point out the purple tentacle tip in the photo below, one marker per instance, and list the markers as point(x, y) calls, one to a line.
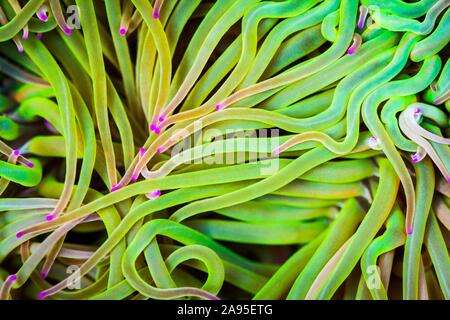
point(157, 130)
point(42, 295)
point(219, 106)
point(42, 16)
point(155, 14)
point(39, 36)
point(16, 153)
point(12, 278)
point(123, 31)
point(409, 231)
point(152, 126)
point(50, 217)
point(43, 275)
point(67, 31)
point(448, 180)
point(154, 194)
point(134, 177)
point(351, 51)
point(142, 151)
point(19, 235)
point(159, 150)
point(162, 118)
point(30, 165)
point(437, 102)
point(116, 187)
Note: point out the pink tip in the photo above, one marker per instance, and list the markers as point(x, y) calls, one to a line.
point(39, 36)
point(16, 153)
point(116, 187)
point(437, 102)
point(25, 36)
point(20, 49)
point(155, 14)
point(30, 165)
point(42, 295)
point(219, 106)
point(134, 178)
point(50, 217)
point(142, 151)
point(43, 275)
point(154, 194)
point(448, 180)
point(409, 231)
point(351, 51)
point(123, 31)
point(162, 118)
point(152, 127)
point(159, 150)
point(361, 24)
point(12, 278)
point(42, 16)
point(157, 130)
point(19, 235)
point(67, 31)
point(276, 152)
point(417, 111)
point(414, 159)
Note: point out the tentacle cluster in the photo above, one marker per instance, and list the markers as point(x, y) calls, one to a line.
point(224, 149)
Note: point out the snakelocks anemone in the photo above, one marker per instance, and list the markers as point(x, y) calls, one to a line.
point(228, 149)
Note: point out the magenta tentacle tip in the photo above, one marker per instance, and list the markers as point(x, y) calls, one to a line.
point(116, 187)
point(43, 275)
point(16, 153)
point(30, 165)
point(157, 130)
point(154, 194)
point(448, 179)
point(25, 36)
point(39, 36)
point(142, 151)
point(159, 150)
point(417, 111)
point(123, 31)
point(67, 31)
point(219, 106)
point(436, 102)
point(50, 217)
point(42, 16)
point(162, 118)
point(155, 14)
point(134, 177)
point(42, 295)
point(152, 126)
point(409, 231)
point(19, 235)
point(12, 278)
point(351, 51)
point(20, 49)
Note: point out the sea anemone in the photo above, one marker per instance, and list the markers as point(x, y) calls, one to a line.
point(229, 149)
